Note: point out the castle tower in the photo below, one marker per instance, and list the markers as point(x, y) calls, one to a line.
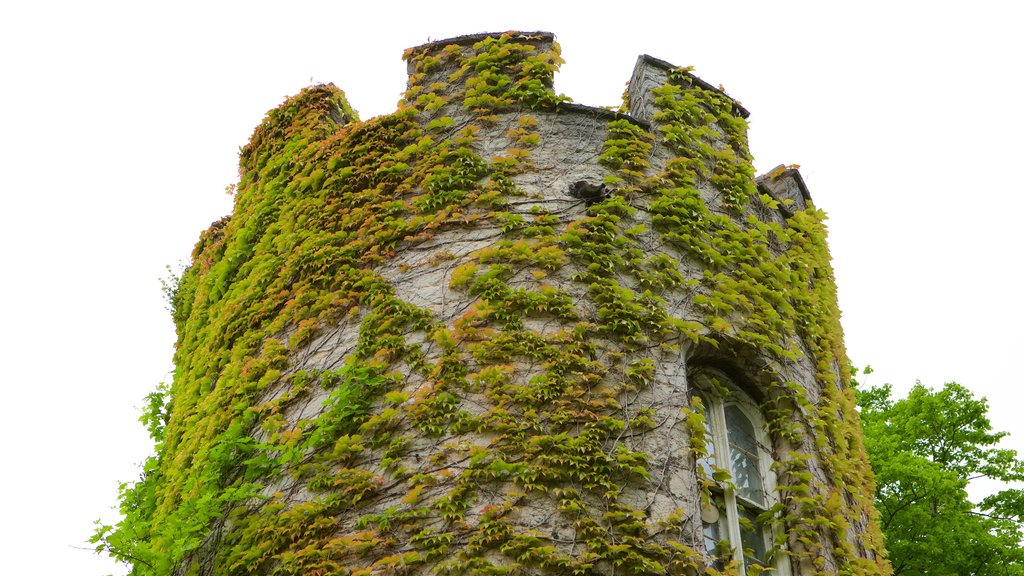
point(495, 332)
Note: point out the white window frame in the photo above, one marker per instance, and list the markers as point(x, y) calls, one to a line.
point(717, 391)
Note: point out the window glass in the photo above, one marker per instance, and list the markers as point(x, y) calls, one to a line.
point(707, 463)
point(743, 455)
point(752, 537)
point(711, 516)
point(712, 537)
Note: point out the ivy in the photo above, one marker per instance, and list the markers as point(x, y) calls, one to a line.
point(321, 423)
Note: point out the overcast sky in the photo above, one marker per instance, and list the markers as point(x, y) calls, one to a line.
point(120, 125)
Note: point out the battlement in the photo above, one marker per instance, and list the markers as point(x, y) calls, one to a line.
point(784, 183)
point(648, 74)
point(542, 41)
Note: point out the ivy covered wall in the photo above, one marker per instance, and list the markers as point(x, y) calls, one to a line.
point(456, 338)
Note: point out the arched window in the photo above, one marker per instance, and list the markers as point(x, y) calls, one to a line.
point(738, 463)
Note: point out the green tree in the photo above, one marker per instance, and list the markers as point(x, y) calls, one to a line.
point(925, 449)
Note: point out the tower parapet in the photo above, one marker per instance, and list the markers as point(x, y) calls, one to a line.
point(497, 333)
point(651, 73)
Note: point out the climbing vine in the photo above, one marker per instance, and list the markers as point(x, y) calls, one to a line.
point(511, 436)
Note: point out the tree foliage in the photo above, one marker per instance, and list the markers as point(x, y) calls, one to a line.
point(925, 449)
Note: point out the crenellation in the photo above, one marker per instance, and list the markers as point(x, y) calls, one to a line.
point(649, 73)
point(786, 185)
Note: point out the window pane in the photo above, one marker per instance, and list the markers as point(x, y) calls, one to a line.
point(741, 431)
point(743, 455)
point(707, 463)
point(711, 538)
point(752, 535)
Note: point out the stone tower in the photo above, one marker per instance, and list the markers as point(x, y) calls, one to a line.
point(495, 332)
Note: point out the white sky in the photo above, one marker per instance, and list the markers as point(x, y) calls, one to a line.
point(120, 125)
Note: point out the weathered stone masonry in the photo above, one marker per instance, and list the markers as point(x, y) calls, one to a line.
point(465, 338)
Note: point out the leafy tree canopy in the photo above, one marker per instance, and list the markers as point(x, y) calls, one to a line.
point(925, 449)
